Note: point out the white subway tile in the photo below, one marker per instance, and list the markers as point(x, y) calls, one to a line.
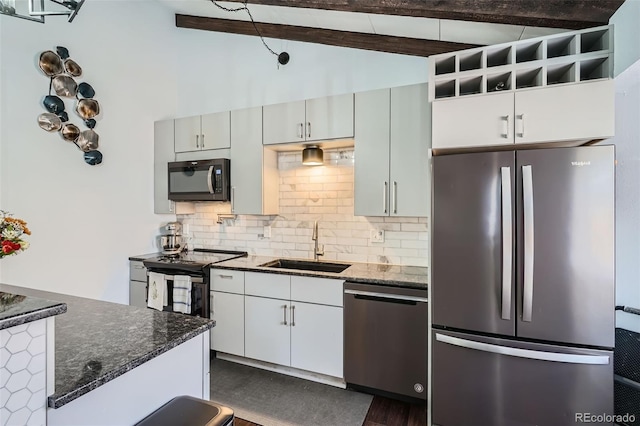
point(413, 227)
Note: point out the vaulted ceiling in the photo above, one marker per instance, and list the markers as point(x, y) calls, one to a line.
point(413, 27)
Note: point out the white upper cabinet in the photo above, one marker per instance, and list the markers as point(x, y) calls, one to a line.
point(284, 123)
point(572, 112)
point(410, 145)
point(371, 168)
point(254, 170)
point(474, 121)
point(311, 120)
point(162, 154)
point(569, 113)
point(557, 88)
point(329, 118)
point(203, 132)
point(393, 138)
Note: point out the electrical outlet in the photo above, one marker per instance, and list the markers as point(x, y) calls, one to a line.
point(377, 236)
point(267, 232)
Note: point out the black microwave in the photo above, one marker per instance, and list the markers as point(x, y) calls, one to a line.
point(202, 180)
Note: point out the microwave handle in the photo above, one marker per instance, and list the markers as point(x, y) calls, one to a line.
point(210, 180)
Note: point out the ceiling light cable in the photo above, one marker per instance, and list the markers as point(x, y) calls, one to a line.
point(283, 57)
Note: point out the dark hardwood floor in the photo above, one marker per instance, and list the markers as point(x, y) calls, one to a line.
point(383, 412)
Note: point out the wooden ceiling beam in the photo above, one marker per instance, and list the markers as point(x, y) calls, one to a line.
point(379, 43)
point(569, 14)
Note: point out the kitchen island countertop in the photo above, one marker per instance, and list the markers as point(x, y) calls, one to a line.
point(97, 341)
point(17, 309)
point(371, 273)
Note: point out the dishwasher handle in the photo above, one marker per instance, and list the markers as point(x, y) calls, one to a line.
point(385, 297)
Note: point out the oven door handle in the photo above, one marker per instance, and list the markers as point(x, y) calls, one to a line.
point(196, 280)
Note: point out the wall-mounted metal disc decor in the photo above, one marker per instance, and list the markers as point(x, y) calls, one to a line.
point(62, 72)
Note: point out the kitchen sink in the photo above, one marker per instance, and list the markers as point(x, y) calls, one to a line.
point(307, 265)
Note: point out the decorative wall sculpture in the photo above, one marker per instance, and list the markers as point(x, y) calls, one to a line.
point(62, 72)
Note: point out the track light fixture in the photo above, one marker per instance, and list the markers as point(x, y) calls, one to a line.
point(38, 9)
point(283, 57)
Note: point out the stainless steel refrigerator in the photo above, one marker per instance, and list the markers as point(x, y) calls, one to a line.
point(523, 287)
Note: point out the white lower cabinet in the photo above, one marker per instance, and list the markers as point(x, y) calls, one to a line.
point(266, 330)
point(289, 321)
point(316, 338)
point(227, 310)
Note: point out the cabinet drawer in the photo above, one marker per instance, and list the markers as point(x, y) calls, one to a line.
point(317, 290)
point(267, 285)
point(137, 271)
point(227, 280)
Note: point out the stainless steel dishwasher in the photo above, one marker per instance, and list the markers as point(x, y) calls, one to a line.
point(385, 338)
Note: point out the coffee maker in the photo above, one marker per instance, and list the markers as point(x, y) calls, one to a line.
point(171, 240)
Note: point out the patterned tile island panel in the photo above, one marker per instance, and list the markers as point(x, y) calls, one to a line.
point(23, 374)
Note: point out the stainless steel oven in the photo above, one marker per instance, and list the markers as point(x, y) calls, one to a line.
point(199, 290)
point(196, 264)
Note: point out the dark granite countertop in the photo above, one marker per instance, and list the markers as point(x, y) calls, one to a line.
point(373, 273)
point(98, 341)
point(142, 257)
point(17, 309)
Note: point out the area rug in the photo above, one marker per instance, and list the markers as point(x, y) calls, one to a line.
point(272, 399)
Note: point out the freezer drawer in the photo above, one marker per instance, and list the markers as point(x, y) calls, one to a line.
point(489, 381)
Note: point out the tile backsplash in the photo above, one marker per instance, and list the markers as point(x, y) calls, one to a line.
point(322, 193)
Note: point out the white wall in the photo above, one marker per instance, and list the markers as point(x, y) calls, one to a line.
point(227, 71)
point(87, 221)
point(627, 141)
point(626, 37)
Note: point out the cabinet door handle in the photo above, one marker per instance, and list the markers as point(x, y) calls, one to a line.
point(507, 120)
point(384, 197)
point(197, 141)
point(395, 197)
point(233, 199)
point(228, 277)
point(301, 130)
point(308, 129)
point(521, 117)
point(202, 140)
point(139, 267)
point(284, 310)
point(293, 316)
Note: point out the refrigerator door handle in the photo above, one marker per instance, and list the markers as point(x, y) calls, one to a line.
point(524, 353)
point(527, 195)
point(507, 242)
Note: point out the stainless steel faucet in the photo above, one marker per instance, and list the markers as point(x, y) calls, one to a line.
point(318, 250)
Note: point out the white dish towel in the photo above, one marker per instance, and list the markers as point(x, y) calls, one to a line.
point(157, 293)
point(182, 294)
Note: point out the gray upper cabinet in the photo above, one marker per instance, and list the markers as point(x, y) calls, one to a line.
point(393, 138)
point(162, 154)
point(284, 123)
point(254, 170)
point(311, 120)
point(203, 132)
point(163, 134)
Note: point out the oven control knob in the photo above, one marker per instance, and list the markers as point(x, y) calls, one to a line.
point(418, 388)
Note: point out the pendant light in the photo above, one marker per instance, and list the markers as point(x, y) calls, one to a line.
point(312, 155)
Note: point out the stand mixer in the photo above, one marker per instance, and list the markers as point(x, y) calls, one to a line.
point(171, 240)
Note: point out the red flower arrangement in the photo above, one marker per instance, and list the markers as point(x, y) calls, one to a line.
point(12, 231)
